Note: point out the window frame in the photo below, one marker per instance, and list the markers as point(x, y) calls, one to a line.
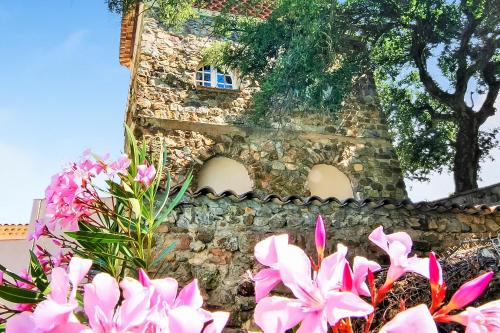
point(214, 73)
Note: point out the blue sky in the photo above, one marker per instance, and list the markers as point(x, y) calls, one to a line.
point(62, 90)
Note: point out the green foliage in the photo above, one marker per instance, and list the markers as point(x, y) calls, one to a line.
point(125, 238)
point(172, 12)
point(300, 56)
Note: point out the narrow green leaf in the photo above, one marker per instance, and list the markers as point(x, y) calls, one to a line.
point(167, 195)
point(127, 188)
point(37, 273)
point(139, 263)
point(163, 253)
point(14, 275)
point(98, 237)
point(134, 151)
point(163, 215)
point(136, 207)
point(20, 295)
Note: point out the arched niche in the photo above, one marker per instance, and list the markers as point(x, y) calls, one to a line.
point(222, 174)
point(327, 181)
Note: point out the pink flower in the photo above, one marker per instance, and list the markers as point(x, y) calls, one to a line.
point(414, 320)
point(467, 293)
point(1, 278)
point(60, 258)
point(483, 319)
point(318, 299)
point(438, 288)
point(100, 303)
point(57, 309)
point(358, 275)
point(145, 174)
point(266, 253)
point(39, 230)
point(67, 199)
point(119, 166)
point(183, 310)
point(398, 246)
point(320, 238)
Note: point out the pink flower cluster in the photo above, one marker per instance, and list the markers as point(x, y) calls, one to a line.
point(148, 306)
point(69, 197)
point(327, 293)
point(145, 174)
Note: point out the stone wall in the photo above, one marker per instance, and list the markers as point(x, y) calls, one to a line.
point(216, 236)
point(489, 195)
point(196, 124)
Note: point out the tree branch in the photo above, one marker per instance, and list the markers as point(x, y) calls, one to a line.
point(488, 108)
point(463, 73)
point(417, 53)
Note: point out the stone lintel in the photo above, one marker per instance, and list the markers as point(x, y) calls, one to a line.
point(231, 129)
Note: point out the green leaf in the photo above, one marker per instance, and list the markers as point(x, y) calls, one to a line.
point(167, 195)
point(163, 215)
point(37, 273)
point(134, 151)
point(163, 253)
point(136, 207)
point(14, 275)
point(139, 263)
point(98, 237)
point(20, 295)
point(127, 188)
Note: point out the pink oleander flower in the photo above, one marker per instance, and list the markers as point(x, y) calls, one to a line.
point(183, 310)
point(60, 258)
point(266, 253)
point(67, 200)
point(100, 303)
point(119, 166)
point(40, 229)
point(414, 320)
point(1, 278)
point(398, 246)
point(358, 275)
point(320, 238)
point(57, 310)
point(438, 287)
point(319, 301)
point(145, 174)
point(148, 306)
point(24, 274)
point(483, 319)
point(467, 293)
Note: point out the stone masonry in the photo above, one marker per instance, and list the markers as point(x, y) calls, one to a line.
point(198, 123)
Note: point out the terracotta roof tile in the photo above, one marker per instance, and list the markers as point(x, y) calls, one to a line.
point(261, 11)
point(127, 36)
point(371, 203)
point(13, 231)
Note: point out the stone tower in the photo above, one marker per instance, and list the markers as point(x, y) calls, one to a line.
point(201, 113)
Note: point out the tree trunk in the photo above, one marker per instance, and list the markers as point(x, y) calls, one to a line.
point(467, 154)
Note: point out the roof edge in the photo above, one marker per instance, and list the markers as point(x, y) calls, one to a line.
point(127, 36)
